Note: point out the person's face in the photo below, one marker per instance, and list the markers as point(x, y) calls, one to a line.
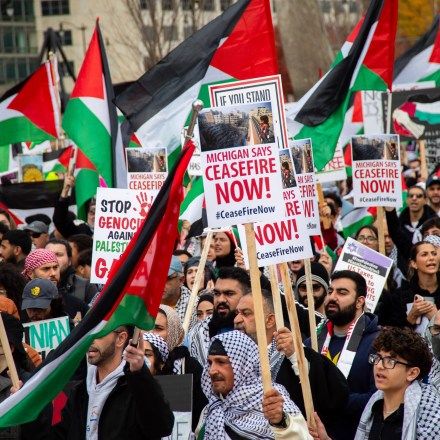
point(227, 293)
point(245, 319)
point(172, 286)
point(426, 261)
point(49, 271)
point(161, 326)
point(151, 357)
point(104, 349)
point(84, 271)
point(416, 200)
point(38, 314)
point(183, 258)
point(60, 251)
point(389, 244)
point(221, 374)
point(341, 305)
point(222, 245)
point(392, 380)
point(74, 260)
point(211, 253)
point(5, 220)
point(433, 192)
point(91, 216)
point(319, 294)
point(191, 276)
point(366, 237)
point(8, 251)
point(296, 265)
point(432, 231)
point(39, 239)
point(204, 309)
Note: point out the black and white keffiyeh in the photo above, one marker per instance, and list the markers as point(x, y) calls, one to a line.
point(159, 343)
point(241, 409)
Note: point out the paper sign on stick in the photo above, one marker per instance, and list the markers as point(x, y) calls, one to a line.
point(335, 169)
point(376, 170)
point(372, 265)
point(119, 214)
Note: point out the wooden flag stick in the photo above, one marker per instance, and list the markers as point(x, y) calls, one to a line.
point(380, 230)
point(258, 306)
point(423, 169)
point(196, 286)
point(297, 343)
point(8, 354)
point(325, 220)
point(311, 304)
point(276, 295)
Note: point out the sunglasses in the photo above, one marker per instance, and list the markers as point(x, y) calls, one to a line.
point(35, 234)
point(303, 287)
point(415, 196)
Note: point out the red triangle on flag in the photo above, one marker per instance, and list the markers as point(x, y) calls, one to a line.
point(82, 161)
point(65, 156)
point(358, 115)
point(90, 77)
point(435, 54)
point(249, 51)
point(34, 100)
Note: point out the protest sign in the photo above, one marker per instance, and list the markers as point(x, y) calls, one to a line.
point(302, 158)
point(416, 116)
point(178, 392)
point(372, 112)
point(335, 169)
point(376, 171)
point(239, 144)
point(146, 169)
point(285, 239)
point(45, 336)
point(119, 213)
point(372, 265)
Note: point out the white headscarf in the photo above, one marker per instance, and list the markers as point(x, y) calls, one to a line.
point(241, 409)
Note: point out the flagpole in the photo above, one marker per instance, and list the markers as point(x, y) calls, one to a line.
point(57, 95)
point(276, 295)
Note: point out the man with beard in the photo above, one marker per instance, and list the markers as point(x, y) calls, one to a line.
point(231, 284)
point(15, 247)
point(329, 387)
point(319, 284)
point(119, 399)
point(346, 339)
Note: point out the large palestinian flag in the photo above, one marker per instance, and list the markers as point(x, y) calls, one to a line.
point(131, 296)
point(237, 45)
point(422, 61)
point(90, 120)
point(29, 110)
point(365, 62)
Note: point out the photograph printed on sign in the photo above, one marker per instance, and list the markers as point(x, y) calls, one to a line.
point(376, 170)
point(287, 173)
point(302, 158)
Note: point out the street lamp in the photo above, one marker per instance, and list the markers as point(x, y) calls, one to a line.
point(81, 28)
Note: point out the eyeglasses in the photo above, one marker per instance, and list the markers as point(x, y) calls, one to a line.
point(303, 287)
point(416, 196)
point(171, 277)
point(35, 234)
point(387, 362)
point(369, 239)
point(434, 329)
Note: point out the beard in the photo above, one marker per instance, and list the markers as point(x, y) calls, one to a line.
point(341, 316)
point(224, 320)
point(318, 300)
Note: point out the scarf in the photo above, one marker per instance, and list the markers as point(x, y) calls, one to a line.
point(241, 410)
point(275, 359)
point(175, 333)
point(158, 342)
point(352, 341)
point(98, 393)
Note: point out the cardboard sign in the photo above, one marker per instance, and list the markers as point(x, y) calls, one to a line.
point(335, 169)
point(119, 214)
point(376, 171)
point(178, 392)
point(372, 265)
point(239, 141)
point(45, 336)
point(302, 157)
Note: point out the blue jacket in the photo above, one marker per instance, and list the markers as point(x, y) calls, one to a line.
point(360, 382)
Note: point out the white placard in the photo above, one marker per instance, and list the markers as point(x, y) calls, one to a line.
point(376, 170)
point(372, 265)
point(335, 169)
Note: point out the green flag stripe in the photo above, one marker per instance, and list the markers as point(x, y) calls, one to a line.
point(21, 129)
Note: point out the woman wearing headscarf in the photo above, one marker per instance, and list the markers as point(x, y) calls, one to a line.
point(179, 361)
point(225, 245)
point(156, 351)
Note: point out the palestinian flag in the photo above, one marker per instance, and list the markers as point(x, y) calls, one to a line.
point(29, 110)
point(237, 45)
point(131, 296)
point(194, 201)
point(57, 161)
point(354, 220)
point(90, 120)
point(365, 62)
point(422, 61)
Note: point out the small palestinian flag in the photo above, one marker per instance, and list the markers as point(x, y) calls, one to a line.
point(365, 62)
point(132, 295)
point(29, 111)
point(237, 45)
point(357, 218)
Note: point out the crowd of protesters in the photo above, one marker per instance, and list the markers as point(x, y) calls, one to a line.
point(374, 376)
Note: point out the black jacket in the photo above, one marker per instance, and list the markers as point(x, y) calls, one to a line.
point(72, 284)
point(134, 409)
point(65, 226)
